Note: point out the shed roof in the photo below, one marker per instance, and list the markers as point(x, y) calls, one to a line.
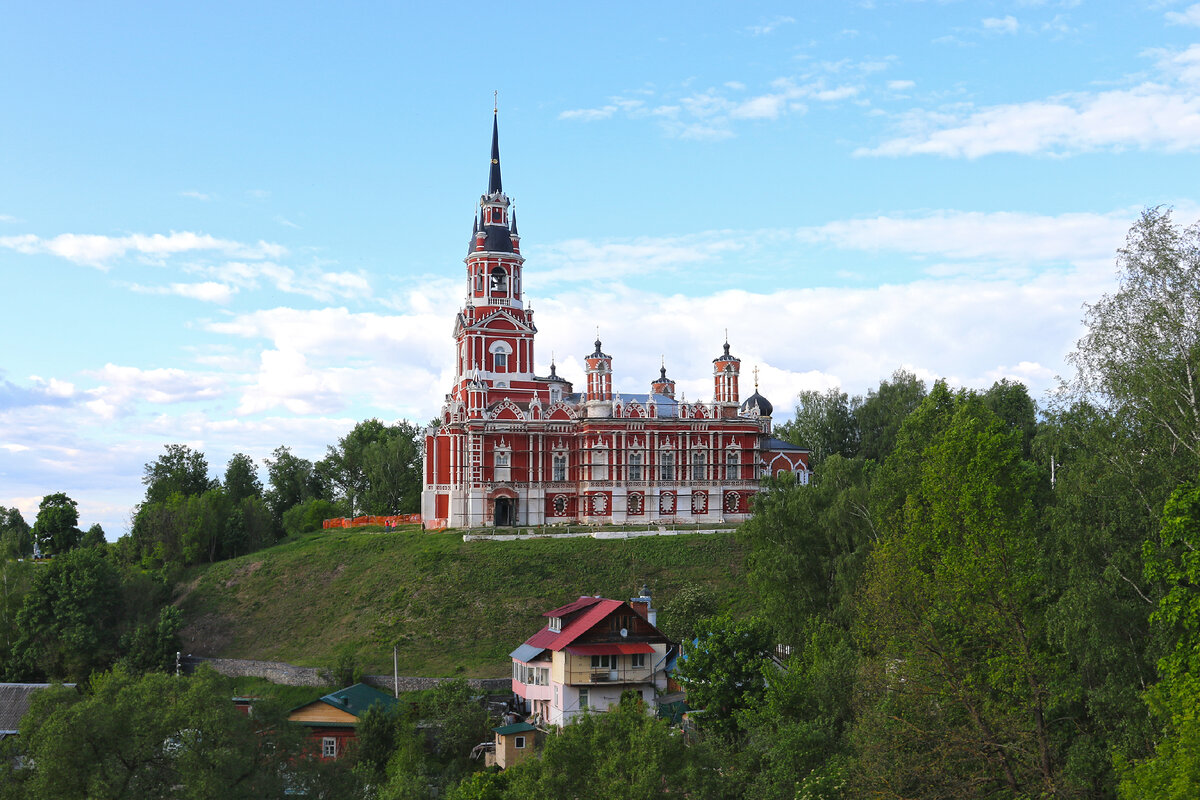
point(15, 699)
point(516, 727)
point(355, 700)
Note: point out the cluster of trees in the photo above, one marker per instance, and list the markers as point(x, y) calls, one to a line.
point(126, 735)
point(188, 518)
point(985, 600)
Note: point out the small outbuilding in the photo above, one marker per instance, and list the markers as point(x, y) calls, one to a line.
point(514, 743)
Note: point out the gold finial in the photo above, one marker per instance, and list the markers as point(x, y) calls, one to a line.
point(756, 377)
point(495, 102)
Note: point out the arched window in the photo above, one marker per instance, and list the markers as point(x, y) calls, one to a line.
point(733, 469)
point(500, 352)
point(698, 463)
point(499, 281)
point(560, 467)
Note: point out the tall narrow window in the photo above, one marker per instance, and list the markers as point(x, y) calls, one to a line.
point(583, 699)
point(666, 465)
point(635, 465)
point(560, 467)
point(503, 470)
point(732, 465)
point(698, 465)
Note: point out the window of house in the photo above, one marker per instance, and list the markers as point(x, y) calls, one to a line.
point(560, 467)
point(732, 465)
point(555, 394)
point(637, 660)
point(520, 743)
point(583, 699)
point(329, 747)
point(604, 662)
point(556, 623)
point(543, 676)
point(697, 466)
point(635, 466)
point(502, 465)
point(666, 466)
point(635, 503)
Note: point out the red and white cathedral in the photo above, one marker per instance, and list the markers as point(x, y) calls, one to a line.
point(515, 448)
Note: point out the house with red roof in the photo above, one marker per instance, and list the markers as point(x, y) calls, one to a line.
point(588, 653)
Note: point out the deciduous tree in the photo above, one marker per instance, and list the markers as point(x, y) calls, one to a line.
point(56, 529)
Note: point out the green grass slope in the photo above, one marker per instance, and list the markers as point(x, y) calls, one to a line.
point(451, 607)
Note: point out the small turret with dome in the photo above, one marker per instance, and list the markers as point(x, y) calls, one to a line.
point(756, 405)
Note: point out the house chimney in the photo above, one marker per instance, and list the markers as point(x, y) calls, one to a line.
point(641, 605)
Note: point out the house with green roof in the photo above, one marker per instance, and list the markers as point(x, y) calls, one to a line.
point(332, 720)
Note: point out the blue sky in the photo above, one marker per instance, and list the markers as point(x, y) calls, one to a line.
point(237, 226)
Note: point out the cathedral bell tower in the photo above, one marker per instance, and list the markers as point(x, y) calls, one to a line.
point(494, 331)
point(726, 369)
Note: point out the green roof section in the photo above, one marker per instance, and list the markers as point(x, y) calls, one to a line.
point(356, 699)
point(516, 727)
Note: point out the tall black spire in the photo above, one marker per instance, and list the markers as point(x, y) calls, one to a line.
point(494, 184)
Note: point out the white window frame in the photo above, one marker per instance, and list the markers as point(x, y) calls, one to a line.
point(502, 463)
point(635, 465)
point(329, 747)
point(637, 661)
point(584, 697)
point(558, 467)
point(666, 465)
point(519, 743)
point(733, 465)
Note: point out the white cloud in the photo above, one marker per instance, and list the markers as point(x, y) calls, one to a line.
point(899, 86)
point(120, 388)
point(1162, 114)
point(207, 291)
point(1189, 16)
point(309, 282)
point(196, 195)
point(770, 26)
point(99, 251)
point(1007, 24)
point(1006, 236)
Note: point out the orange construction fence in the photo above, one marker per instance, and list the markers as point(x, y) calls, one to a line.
point(394, 519)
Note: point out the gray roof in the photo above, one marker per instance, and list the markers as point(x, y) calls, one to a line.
point(526, 653)
point(780, 444)
point(15, 699)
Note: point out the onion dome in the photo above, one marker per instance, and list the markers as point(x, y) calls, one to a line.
point(756, 401)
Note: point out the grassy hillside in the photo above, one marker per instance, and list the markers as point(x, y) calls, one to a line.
point(451, 607)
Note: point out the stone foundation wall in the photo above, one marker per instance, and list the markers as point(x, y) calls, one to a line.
point(291, 675)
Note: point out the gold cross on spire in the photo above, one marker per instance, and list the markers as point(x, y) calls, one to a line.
point(756, 377)
point(495, 102)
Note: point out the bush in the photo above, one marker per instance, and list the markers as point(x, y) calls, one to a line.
point(309, 515)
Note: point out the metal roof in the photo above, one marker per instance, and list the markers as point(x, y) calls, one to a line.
point(516, 727)
point(616, 648)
